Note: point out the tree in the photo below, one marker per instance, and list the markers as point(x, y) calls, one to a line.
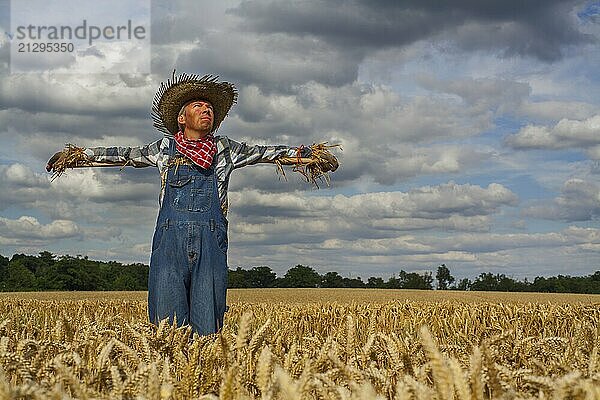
point(394, 283)
point(410, 280)
point(498, 282)
point(46, 257)
point(3, 261)
point(32, 263)
point(374, 282)
point(464, 284)
point(541, 284)
point(49, 272)
point(261, 277)
point(80, 274)
point(332, 280)
point(443, 277)
point(237, 278)
point(353, 282)
point(124, 282)
point(413, 280)
point(127, 277)
point(18, 278)
point(300, 276)
point(51, 278)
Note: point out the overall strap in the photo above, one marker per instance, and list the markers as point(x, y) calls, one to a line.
point(171, 151)
point(172, 147)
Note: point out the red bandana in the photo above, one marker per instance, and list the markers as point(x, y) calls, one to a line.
point(201, 151)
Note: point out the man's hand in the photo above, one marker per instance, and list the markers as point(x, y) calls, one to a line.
point(52, 160)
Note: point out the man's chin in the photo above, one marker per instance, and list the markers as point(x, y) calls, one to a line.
point(203, 127)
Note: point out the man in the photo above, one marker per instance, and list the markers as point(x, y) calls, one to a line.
point(188, 265)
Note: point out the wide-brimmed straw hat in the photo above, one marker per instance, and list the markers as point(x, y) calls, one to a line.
point(183, 88)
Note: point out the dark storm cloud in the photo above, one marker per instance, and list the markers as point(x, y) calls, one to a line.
point(534, 28)
point(347, 23)
point(182, 20)
point(274, 63)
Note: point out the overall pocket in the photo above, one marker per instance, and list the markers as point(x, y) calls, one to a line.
point(221, 237)
point(159, 234)
point(191, 193)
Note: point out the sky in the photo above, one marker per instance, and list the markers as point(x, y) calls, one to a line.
point(470, 135)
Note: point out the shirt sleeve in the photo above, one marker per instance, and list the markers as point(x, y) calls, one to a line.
point(243, 154)
point(139, 156)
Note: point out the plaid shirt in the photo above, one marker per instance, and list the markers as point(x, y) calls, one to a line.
point(230, 155)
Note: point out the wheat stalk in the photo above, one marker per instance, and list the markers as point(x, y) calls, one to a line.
point(105, 349)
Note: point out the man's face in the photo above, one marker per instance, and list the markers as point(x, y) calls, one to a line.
point(198, 115)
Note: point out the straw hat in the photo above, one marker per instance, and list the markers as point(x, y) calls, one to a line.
point(181, 89)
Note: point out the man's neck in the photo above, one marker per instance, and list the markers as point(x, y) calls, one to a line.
point(192, 134)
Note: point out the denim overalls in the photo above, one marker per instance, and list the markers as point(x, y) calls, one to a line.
point(188, 265)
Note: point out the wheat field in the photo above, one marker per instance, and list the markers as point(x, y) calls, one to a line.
point(304, 344)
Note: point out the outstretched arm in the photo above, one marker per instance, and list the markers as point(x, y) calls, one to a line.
point(243, 154)
point(139, 156)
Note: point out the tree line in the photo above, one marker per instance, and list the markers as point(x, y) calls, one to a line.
point(47, 272)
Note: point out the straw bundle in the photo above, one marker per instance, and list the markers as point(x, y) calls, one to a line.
point(71, 157)
point(317, 166)
point(74, 157)
point(314, 167)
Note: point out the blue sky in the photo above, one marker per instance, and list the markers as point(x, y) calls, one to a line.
point(471, 135)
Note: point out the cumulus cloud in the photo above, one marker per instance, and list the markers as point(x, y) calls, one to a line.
point(429, 202)
point(397, 163)
point(20, 185)
point(19, 176)
point(28, 230)
point(413, 161)
point(377, 129)
point(567, 133)
point(507, 97)
point(466, 243)
point(521, 255)
point(75, 94)
point(551, 110)
point(365, 110)
point(88, 185)
point(21, 182)
point(579, 201)
point(448, 207)
point(83, 195)
point(497, 95)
